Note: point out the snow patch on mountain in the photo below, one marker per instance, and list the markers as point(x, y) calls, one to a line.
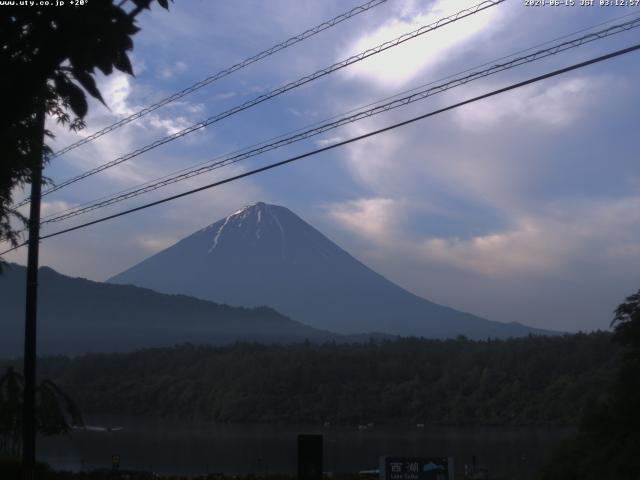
point(267, 255)
point(216, 238)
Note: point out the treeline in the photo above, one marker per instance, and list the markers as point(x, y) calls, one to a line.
point(527, 381)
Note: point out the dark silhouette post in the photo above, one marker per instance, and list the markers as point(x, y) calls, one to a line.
point(310, 457)
point(29, 403)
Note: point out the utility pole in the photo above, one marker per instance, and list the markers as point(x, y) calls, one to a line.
point(30, 330)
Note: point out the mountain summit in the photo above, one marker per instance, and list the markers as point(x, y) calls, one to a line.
point(266, 255)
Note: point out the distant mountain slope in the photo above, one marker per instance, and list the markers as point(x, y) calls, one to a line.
point(77, 315)
point(266, 255)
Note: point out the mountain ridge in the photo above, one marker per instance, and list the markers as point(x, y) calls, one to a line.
point(266, 255)
point(77, 316)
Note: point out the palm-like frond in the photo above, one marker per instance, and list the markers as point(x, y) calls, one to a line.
point(11, 388)
point(54, 410)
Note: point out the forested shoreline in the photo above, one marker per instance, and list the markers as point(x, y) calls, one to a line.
point(525, 381)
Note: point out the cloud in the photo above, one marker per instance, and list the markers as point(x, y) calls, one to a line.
point(514, 201)
point(499, 152)
point(153, 244)
point(197, 108)
point(552, 105)
point(256, 89)
point(370, 160)
point(52, 207)
point(170, 71)
point(373, 218)
point(534, 246)
point(116, 90)
point(121, 96)
point(624, 251)
point(223, 96)
point(544, 242)
point(324, 142)
point(169, 125)
point(403, 63)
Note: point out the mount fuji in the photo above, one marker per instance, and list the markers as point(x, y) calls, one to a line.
point(265, 255)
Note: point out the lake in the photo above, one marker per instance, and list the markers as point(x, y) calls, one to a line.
point(171, 447)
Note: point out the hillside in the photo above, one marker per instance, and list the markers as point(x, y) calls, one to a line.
point(77, 316)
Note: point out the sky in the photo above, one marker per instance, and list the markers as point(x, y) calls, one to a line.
point(522, 207)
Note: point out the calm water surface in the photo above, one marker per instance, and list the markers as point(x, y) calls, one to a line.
point(172, 447)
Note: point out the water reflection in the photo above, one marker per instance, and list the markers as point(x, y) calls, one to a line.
point(172, 447)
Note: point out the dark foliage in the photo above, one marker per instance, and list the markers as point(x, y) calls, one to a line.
point(608, 443)
point(48, 57)
point(10, 469)
point(53, 410)
point(535, 380)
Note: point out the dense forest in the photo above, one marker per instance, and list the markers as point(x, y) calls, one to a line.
point(607, 444)
point(526, 381)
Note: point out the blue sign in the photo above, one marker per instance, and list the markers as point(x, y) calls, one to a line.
point(416, 468)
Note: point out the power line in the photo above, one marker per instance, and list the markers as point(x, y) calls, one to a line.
point(395, 96)
point(490, 62)
point(344, 142)
point(347, 119)
point(278, 91)
point(223, 73)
